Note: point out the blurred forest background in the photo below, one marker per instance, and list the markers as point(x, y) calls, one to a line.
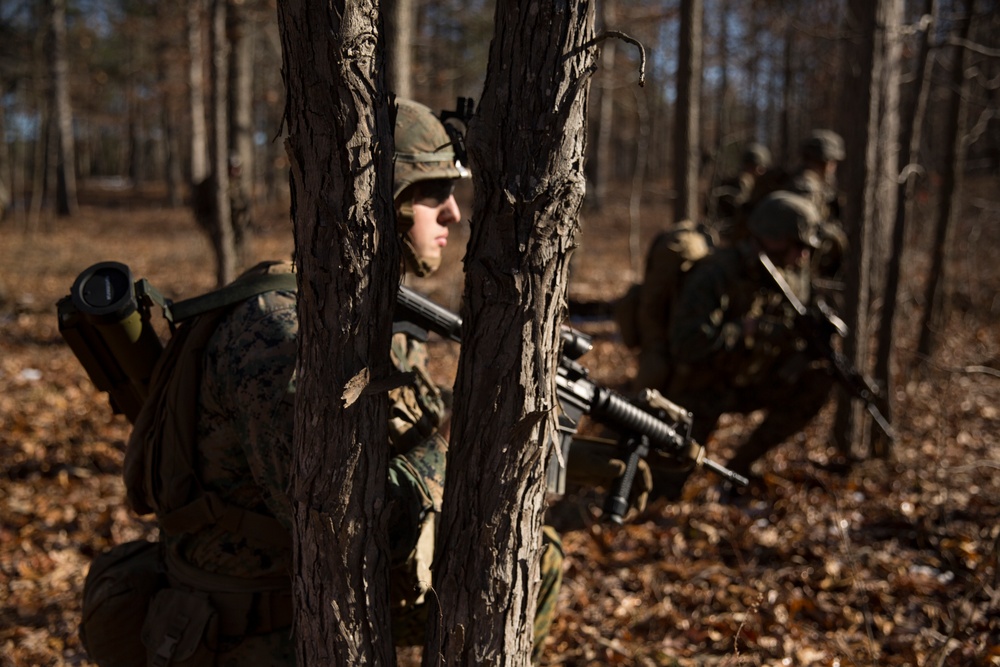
point(130, 92)
point(151, 132)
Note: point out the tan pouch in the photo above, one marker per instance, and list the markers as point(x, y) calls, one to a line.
point(181, 629)
point(119, 587)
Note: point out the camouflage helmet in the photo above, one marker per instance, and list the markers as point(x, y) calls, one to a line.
point(785, 216)
point(423, 148)
point(757, 155)
point(823, 145)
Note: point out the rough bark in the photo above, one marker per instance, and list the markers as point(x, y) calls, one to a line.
point(687, 153)
point(527, 151)
point(340, 148)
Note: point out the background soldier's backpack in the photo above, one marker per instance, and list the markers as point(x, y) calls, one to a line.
point(643, 313)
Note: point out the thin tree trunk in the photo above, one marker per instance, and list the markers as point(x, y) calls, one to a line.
point(604, 155)
point(340, 147)
point(241, 167)
point(196, 79)
point(687, 153)
point(173, 171)
point(169, 83)
point(638, 179)
point(873, 24)
point(935, 302)
point(721, 109)
point(222, 222)
point(66, 199)
point(400, 24)
point(6, 167)
point(785, 137)
point(910, 140)
point(753, 74)
point(526, 148)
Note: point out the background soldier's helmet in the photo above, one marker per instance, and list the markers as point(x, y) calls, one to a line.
point(785, 216)
point(757, 155)
point(824, 146)
point(423, 148)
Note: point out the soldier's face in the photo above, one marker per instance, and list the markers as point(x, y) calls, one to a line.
point(830, 171)
point(434, 210)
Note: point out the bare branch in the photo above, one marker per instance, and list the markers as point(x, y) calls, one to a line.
point(607, 34)
point(974, 47)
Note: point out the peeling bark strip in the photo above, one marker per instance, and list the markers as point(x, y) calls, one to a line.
point(339, 143)
point(526, 146)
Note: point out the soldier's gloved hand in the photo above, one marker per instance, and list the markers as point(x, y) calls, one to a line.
point(597, 462)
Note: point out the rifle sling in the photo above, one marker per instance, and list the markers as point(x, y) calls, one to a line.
point(231, 294)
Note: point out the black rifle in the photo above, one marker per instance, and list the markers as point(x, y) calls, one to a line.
point(819, 325)
point(641, 428)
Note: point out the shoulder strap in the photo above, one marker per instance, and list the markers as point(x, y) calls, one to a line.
point(240, 290)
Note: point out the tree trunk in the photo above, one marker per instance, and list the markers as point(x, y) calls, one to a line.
point(872, 60)
point(66, 200)
point(221, 221)
point(6, 167)
point(604, 155)
point(785, 132)
point(527, 151)
point(340, 147)
point(171, 84)
point(910, 139)
point(400, 24)
point(951, 179)
point(196, 79)
point(174, 176)
point(687, 152)
point(721, 109)
point(241, 167)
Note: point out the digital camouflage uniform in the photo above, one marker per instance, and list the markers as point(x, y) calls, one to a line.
point(723, 367)
point(245, 437)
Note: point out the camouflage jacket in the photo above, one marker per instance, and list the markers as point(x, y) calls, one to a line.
point(730, 323)
point(244, 436)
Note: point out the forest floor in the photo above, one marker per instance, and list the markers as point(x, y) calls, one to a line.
point(885, 563)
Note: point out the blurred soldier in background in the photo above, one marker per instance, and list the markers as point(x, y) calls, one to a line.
point(816, 180)
point(734, 193)
point(734, 345)
point(643, 315)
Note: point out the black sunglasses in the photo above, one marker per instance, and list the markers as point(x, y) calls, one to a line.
point(438, 189)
